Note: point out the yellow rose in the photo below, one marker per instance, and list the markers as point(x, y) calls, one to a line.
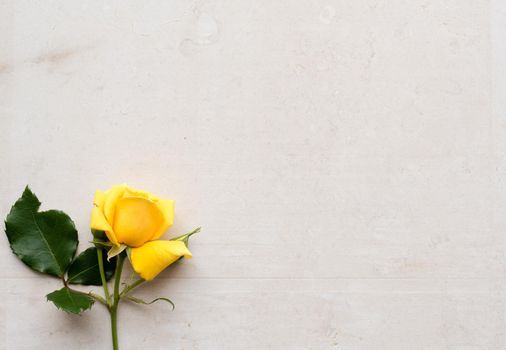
point(137, 219)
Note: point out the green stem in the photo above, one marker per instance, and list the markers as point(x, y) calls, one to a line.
point(114, 327)
point(127, 289)
point(113, 310)
point(90, 294)
point(98, 298)
point(102, 275)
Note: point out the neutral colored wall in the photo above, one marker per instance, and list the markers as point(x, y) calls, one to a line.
point(344, 158)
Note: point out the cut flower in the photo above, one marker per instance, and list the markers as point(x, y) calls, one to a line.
point(138, 219)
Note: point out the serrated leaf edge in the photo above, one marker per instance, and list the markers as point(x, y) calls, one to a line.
point(68, 290)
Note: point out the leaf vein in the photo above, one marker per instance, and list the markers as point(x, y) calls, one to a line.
point(45, 241)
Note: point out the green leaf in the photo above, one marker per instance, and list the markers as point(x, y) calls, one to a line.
point(45, 241)
point(186, 236)
point(85, 270)
point(140, 301)
point(70, 301)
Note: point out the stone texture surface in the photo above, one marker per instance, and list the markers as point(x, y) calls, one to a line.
point(344, 158)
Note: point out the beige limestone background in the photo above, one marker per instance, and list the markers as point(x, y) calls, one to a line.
point(344, 158)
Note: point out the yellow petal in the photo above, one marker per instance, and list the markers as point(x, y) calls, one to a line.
point(153, 257)
point(133, 192)
point(99, 199)
point(136, 220)
point(166, 207)
point(111, 197)
point(98, 222)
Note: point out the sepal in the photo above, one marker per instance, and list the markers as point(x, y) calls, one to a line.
point(143, 302)
point(99, 235)
point(116, 250)
point(185, 238)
